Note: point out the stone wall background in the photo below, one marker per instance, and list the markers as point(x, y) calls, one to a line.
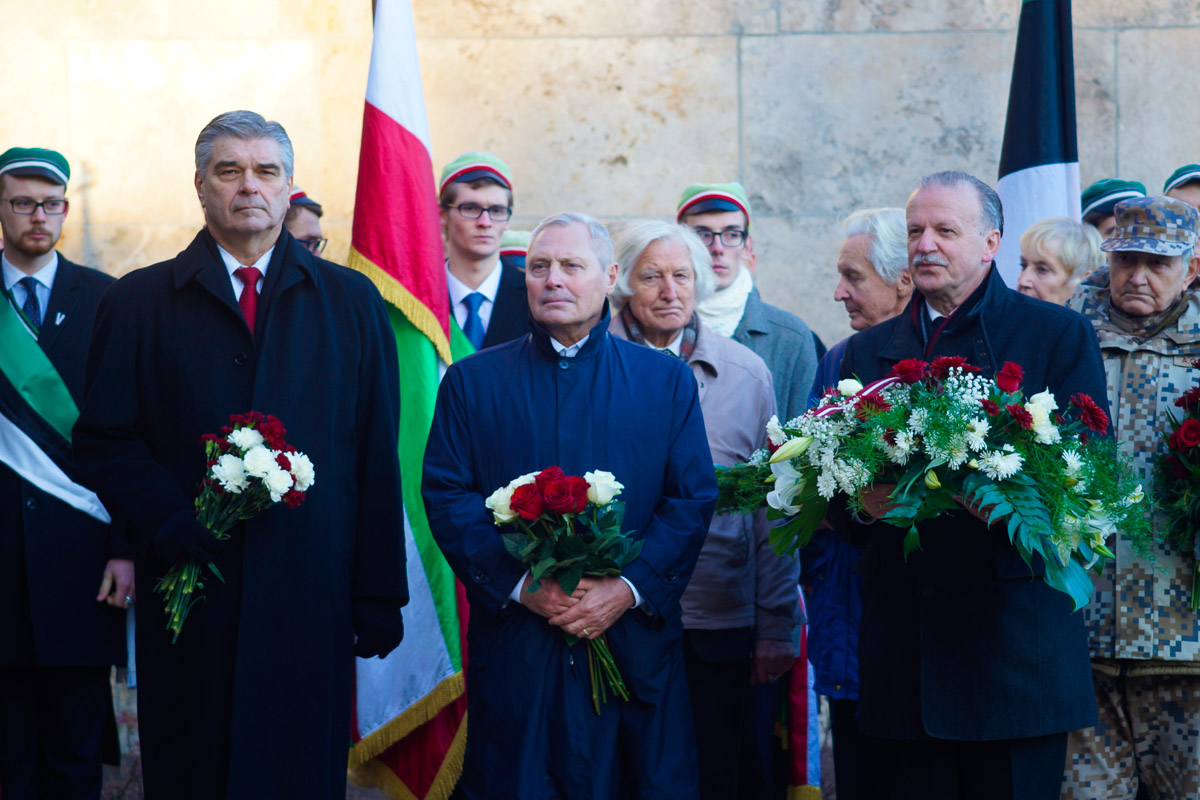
point(818, 106)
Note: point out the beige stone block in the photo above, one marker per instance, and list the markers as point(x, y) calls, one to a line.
point(453, 18)
point(615, 127)
point(341, 83)
point(225, 20)
point(321, 18)
point(1159, 119)
point(120, 248)
point(897, 15)
point(1096, 104)
point(137, 107)
point(797, 270)
point(82, 19)
point(35, 112)
point(832, 124)
point(1135, 13)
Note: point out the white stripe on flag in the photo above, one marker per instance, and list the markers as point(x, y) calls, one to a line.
point(388, 687)
point(1032, 195)
point(24, 457)
point(394, 82)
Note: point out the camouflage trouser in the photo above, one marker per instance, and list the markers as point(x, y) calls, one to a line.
point(1147, 736)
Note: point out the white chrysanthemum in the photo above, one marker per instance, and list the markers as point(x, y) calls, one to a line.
point(303, 472)
point(278, 481)
point(231, 473)
point(850, 475)
point(976, 434)
point(775, 431)
point(259, 461)
point(602, 487)
point(826, 485)
point(499, 503)
point(999, 465)
point(918, 419)
point(244, 438)
point(789, 482)
point(1074, 463)
point(848, 387)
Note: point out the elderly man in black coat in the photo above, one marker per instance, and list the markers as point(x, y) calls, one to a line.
point(972, 669)
point(254, 698)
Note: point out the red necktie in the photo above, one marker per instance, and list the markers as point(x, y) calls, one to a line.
point(249, 300)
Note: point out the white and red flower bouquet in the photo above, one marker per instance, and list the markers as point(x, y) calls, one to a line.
point(1179, 481)
point(250, 469)
point(947, 437)
point(569, 528)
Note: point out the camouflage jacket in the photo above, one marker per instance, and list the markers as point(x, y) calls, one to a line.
point(1141, 609)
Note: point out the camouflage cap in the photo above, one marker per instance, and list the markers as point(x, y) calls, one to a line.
point(1160, 225)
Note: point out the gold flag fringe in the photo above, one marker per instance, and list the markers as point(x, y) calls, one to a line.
point(398, 295)
point(373, 774)
point(409, 720)
point(799, 793)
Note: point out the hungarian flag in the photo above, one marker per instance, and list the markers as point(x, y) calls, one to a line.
point(409, 715)
point(1039, 161)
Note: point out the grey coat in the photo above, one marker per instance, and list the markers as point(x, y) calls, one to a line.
point(783, 341)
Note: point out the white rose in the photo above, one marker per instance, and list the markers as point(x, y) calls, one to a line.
point(302, 471)
point(277, 481)
point(602, 487)
point(259, 461)
point(231, 473)
point(1043, 400)
point(528, 477)
point(848, 387)
point(245, 438)
point(500, 504)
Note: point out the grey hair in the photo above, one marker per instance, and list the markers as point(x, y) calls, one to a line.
point(601, 242)
point(244, 125)
point(991, 211)
point(889, 239)
point(640, 235)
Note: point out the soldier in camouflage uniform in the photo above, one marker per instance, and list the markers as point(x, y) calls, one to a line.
point(1144, 635)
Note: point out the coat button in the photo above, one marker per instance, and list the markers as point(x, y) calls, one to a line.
point(31, 503)
point(477, 575)
point(564, 364)
point(672, 575)
point(240, 360)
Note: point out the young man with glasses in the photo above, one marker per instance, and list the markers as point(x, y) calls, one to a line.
point(66, 575)
point(487, 297)
point(303, 221)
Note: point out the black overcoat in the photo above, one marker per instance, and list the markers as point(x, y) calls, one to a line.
point(52, 556)
point(254, 699)
point(962, 642)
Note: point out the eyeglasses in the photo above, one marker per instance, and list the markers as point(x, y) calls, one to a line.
point(475, 211)
point(730, 238)
point(26, 206)
point(314, 246)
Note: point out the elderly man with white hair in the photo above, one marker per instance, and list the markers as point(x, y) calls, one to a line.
point(740, 606)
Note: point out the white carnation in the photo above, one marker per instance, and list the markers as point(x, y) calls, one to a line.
point(302, 471)
point(278, 481)
point(259, 461)
point(231, 473)
point(245, 438)
point(602, 487)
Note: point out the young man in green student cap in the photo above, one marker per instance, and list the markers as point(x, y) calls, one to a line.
point(66, 576)
point(487, 297)
point(1184, 184)
point(1099, 200)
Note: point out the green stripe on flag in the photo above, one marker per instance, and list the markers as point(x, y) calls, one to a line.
point(30, 372)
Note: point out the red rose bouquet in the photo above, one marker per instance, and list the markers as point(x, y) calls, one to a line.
point(570, 527)
point(1179, 480)
point(946, 436)
point(250, 468)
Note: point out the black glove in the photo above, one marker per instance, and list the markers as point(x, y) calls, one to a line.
point(378, 625)
point(181, 538)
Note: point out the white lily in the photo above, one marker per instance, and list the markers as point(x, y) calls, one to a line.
point(789, 482)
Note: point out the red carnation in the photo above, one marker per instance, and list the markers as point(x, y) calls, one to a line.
point(772, 447)
point(1009, 379)
point(1021, 415)
point(1186, 436)
point(869, 404)
point(1091, 414)
point(1189, 399)
point(989, 407)
point(527, 502)
point(941, 366)
point(283, 462)
point(910, 370)
point(273, 431)
point(293, 499)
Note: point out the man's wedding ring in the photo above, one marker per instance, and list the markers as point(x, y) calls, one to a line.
point(584, 632)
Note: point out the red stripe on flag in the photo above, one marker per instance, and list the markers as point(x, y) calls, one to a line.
point(396, 224)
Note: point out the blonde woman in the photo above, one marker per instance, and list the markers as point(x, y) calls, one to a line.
point(1056, 254)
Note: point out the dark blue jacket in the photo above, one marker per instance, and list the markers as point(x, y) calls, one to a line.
point(616, 406)
point(962, 642)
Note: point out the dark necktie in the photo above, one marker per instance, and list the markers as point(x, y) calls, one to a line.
point(474, 326)
point(249, 300)
point(32, 308)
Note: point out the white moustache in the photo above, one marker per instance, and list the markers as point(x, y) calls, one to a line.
point(920, 259)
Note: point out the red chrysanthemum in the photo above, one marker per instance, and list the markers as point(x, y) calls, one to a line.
point(1090, 413)
point(869, 404)
point(989, 407)
point(1022, 416)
